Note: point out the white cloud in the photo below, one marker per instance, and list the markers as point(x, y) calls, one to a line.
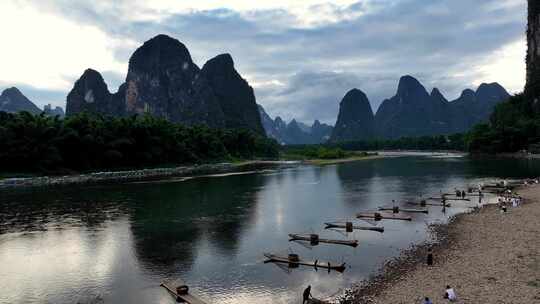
point(48, 44)
point(48, 52)
point(506, 66)
point(307, 12)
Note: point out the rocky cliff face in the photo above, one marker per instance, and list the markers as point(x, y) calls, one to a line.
point(163, 80)
point(233, 94)
point(532, 88)
point(12, 100)
point(411, 112)
point(294, 133)
point(355, 119)
point(420, 113)
point(91, 94)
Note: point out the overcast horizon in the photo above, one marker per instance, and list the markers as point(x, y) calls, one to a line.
point(300, 58)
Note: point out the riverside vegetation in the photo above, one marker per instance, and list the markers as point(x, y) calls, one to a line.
point(83, 142)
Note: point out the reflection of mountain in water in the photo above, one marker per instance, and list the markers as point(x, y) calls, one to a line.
point(23, 210)
point(168, 220)
point(171, 220)
point(396, 179)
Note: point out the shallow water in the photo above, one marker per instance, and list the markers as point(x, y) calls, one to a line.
point(115, 244)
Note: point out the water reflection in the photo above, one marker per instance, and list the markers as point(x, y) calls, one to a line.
point(116, 243)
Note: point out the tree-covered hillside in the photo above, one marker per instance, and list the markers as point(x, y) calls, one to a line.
point(515, 124)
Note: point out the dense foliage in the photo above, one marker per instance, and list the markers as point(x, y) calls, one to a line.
point(313, 152)
point(454, 142)
point(513, 126)
point(30, 143)
point(441, 142)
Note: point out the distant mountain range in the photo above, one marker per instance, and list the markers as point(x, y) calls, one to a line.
point(294, 133)
point(163, 80)
point(12, 101)
point(414, 112)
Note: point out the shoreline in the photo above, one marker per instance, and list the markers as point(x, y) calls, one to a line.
point(322, 162)
point(164, 173)
point(488, 257)
point(140, 175)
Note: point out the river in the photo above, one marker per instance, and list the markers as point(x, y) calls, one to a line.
point(116, 243)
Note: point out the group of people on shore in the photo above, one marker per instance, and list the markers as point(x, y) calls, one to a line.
point(449, 294)
point(509, 199)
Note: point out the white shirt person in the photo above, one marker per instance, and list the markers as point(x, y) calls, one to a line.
point(450, 294)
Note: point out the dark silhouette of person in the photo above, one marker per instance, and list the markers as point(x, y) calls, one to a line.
point(429, 257)
point(307, 294)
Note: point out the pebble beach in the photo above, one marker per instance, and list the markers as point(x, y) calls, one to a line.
point(485, 255)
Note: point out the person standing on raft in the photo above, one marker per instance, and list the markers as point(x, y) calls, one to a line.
point(306, 295)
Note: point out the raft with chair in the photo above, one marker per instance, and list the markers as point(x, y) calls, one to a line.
point(378, 216)
point(180, 291)
point(508, 186)
point(424, 203)
point(349, 227)
point(398, 210)
point(449, 198)
point(315, 240)
point(293, 261)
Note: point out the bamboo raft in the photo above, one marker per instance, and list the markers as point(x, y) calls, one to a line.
point(294, 261)
point(449, 198)
point(383, 216)
point(397, 210)
point(315, 240)
point(180, 292)
point(427, 204)
point(498, 187)
point(352, 227)
point(475, 194)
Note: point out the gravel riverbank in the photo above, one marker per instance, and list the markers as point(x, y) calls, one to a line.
point(137, 175)
point(488, 257)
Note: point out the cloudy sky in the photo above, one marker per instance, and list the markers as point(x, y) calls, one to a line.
point(300, 56)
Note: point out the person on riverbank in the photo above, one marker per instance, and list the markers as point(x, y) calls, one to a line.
point(306, 295)
point(450, 294)
point(514, 202)
point(503, 207)
point(429, 260)
point(427, 301)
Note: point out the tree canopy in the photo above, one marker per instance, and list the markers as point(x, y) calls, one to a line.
point(37, 143)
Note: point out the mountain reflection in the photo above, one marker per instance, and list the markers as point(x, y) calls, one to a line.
point(169, 219)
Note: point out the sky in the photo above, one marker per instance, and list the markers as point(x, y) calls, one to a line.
point(301, 57)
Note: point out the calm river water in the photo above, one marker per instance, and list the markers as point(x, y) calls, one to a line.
point(115, 244)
